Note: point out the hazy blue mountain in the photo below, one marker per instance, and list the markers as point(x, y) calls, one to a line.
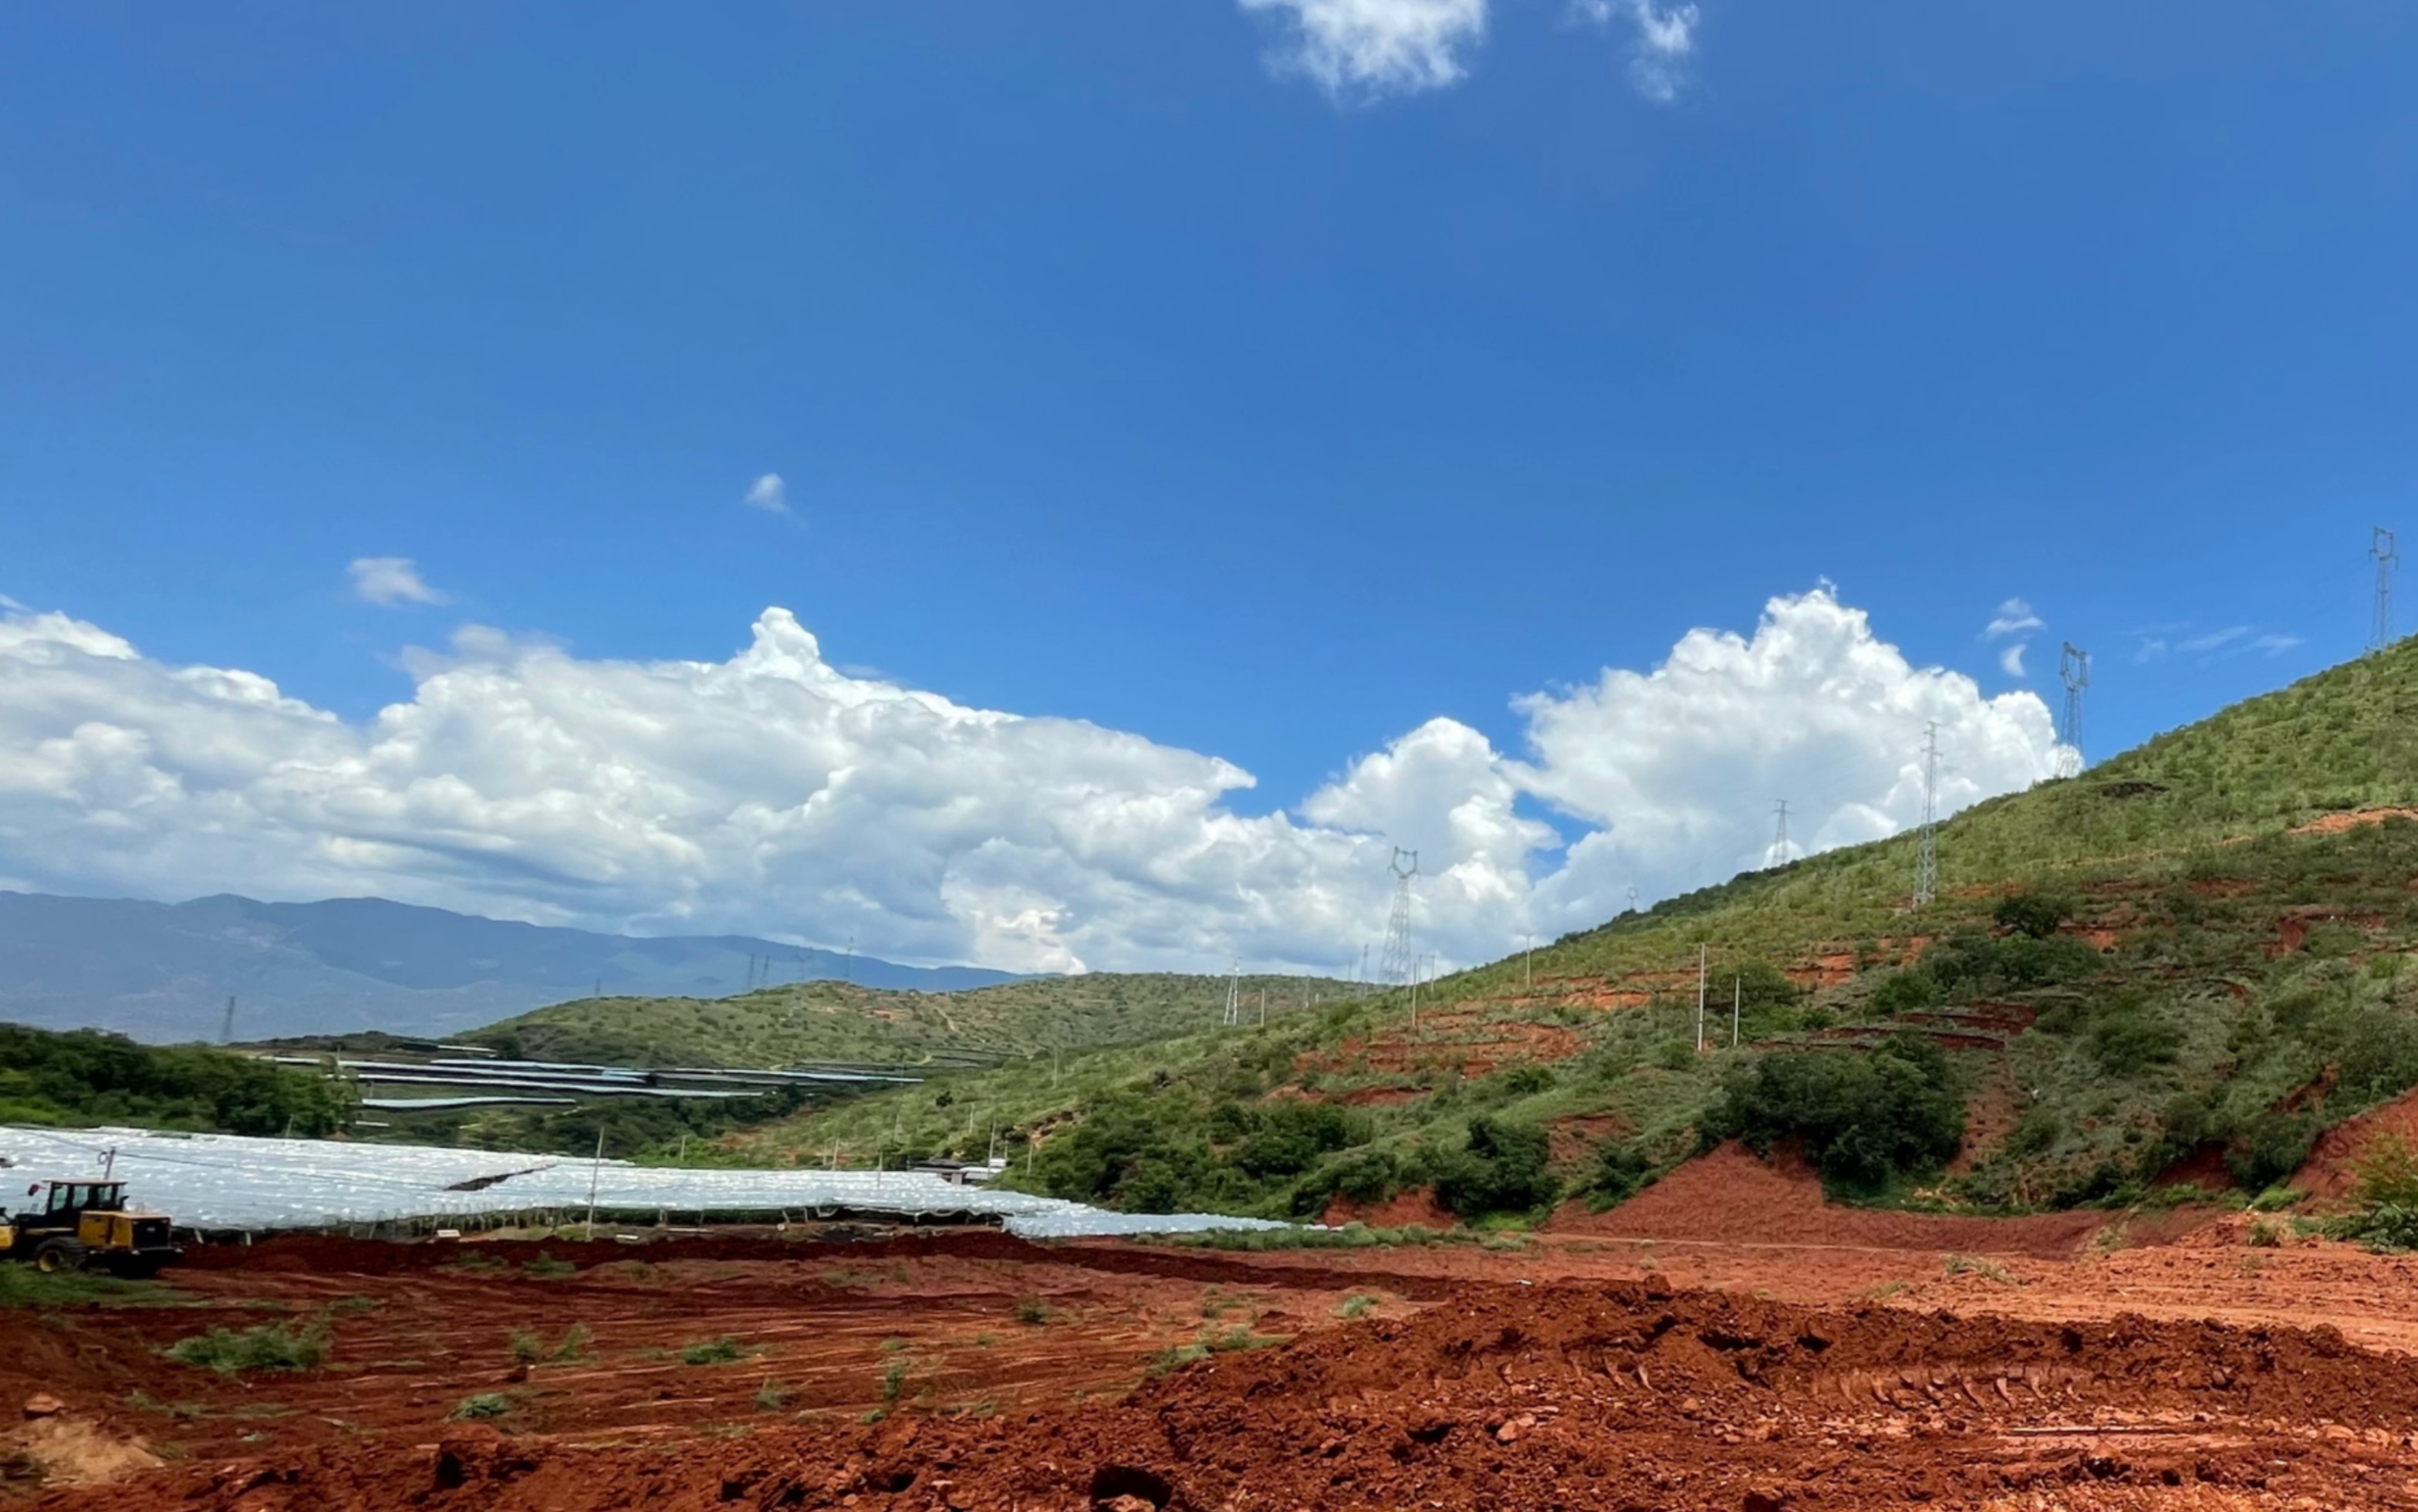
point(164, 972)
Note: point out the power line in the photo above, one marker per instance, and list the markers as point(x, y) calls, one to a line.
point(1926, 859)
point(1778, 854)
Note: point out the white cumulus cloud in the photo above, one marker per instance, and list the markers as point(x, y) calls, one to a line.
point(775, 793)
point(769, 494)
point(1376, 47)
point(388, 581)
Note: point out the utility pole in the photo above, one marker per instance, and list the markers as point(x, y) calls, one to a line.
point(1700, 999)
point(848, 963)
point(1263, 1007)
point(1233, 1014)
point(1527, 948)
point(1737, 995)
point(1926, 859)
point(595, 1172)
point(226, 1024)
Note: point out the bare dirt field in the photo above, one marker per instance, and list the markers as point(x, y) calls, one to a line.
point(1721, 1343)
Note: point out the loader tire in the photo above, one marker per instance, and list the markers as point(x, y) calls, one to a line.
point(56, 1255)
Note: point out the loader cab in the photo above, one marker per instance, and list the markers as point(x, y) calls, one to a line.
point(67, 1200)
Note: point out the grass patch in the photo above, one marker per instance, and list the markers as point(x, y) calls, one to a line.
point(1355, 1305)
point(713, 1352)
point(893, 1379)
point(21, 1286)
point(486, 1404)
point(773, 1395)
point(546, 1268)
point(283, 1346)
point(1032, 1311)
point(1976, 1265)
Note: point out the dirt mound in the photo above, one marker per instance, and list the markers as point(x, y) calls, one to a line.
point(1404, 1209)
point(1602, 1397)
point(1729, 1196)
point(2330, 1170)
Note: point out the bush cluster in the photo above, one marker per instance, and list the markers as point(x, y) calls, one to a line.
point(1863, 1119)
point(86, 1077)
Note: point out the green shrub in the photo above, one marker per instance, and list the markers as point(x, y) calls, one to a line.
point(1907, 991)
point(2034, 913)
point(1861, 1119)
point(1502, 1169)
point(712, 1352)
point(284, 1345)
point(484, 1405)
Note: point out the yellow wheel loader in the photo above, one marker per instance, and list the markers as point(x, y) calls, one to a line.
point(70, 1225)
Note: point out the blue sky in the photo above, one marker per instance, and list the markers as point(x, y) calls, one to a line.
point(1117, 367)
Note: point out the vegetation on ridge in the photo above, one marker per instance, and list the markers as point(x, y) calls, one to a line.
point(2154, 965)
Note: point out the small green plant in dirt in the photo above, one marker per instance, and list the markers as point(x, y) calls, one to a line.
point(2266, 1235)
point(1240, 1337)
point(357, 1305)
point(1176, 1357)
point(546, 1268)
point(893, 1379)
point(773, 1395)
point(1032, 1311)
point(528, 1348)
point(1976, 1265)
point(892, 1346)
point(1355, 1305)
point(471, 1259)
point(983, 1342)
point(484, 1405)
point(283, 1346)
point(572, 1346)
point(712, 1352)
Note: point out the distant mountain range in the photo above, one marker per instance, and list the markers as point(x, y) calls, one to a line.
point(164, 972)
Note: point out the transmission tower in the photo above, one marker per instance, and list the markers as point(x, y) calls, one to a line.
point(1394, 963)
point(2073, 670)
point(1926, 859)
point(1234, 995)
point(226, 1024)
point(1778, 854)
point(2388, 558)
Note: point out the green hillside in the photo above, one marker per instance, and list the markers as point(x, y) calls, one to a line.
point(832, 1021)
point(2177, 959)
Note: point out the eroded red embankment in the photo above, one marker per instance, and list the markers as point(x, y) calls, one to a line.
point(1730, 1197)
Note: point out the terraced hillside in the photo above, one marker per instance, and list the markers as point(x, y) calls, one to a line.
point(2183, 965)
point(832, 1021)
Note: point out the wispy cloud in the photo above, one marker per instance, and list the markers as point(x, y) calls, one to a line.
point(2015, 618)
point(769, 494)
point(1666, 39)
point(2010, 661)
point(1369, 47)
point(2157, 644)
point(2212, 640)
point(390, 582)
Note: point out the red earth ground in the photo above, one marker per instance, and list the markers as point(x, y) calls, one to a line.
point(1723, 1341)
